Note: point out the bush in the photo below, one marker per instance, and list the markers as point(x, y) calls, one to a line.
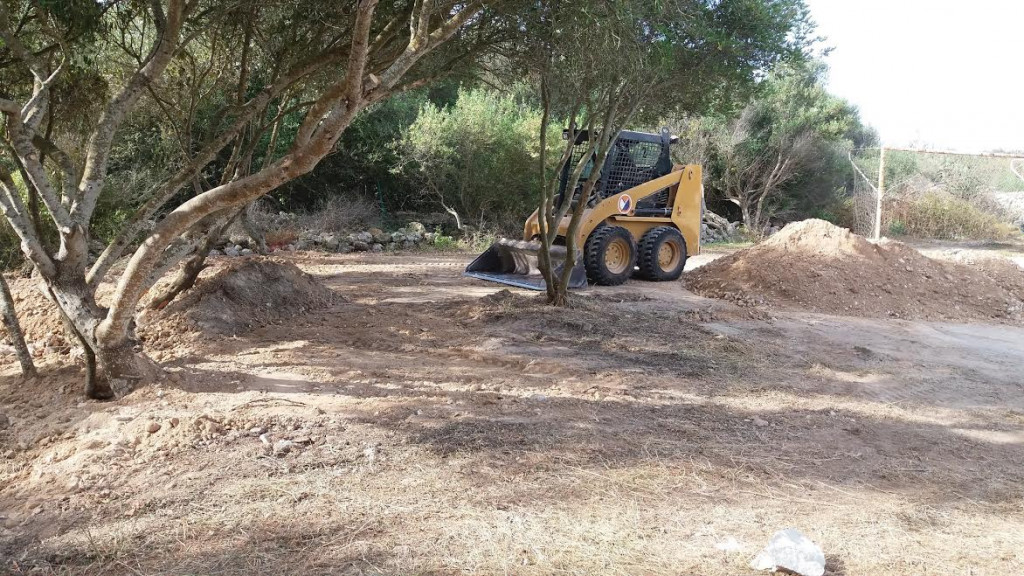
point(942, 215)
point(444, 243)
point(477, 158)
point(897, 228)
point(339, 214)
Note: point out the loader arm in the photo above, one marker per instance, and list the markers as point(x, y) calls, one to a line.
point(686, 192)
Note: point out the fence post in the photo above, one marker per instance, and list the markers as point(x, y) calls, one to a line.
point(879, 193)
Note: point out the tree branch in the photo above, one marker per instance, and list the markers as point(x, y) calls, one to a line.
point(98, 150)
point(14, 211)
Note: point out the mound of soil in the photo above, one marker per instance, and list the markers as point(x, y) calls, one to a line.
point(814, 265)
point(238, 297)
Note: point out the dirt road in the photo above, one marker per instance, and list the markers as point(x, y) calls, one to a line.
point(433, 425)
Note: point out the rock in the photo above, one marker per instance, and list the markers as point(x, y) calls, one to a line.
point(282, 447)
point(360, 246)
point(5, 422)
point(792, 552)
point(730, 544)
point(416, 227)
point(378, 247)
point(759, 422)
point(257, 431)
point(408, 244)
point(175, 422)
point(265, 439)
point(414, 237)
point(397, 237)
point(365, 237)
point(153, 428)
point(246, 252)
point(379, 236)
point(231, 251)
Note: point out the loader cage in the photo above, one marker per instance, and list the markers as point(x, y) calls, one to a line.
point(635, 158)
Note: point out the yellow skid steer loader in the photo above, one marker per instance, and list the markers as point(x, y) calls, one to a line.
point(642, 220)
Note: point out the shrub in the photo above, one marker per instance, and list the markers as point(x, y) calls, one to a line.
point(340, 214)
point(944, 216)
point(897, 228)
point(445, 243)
point(477, 158)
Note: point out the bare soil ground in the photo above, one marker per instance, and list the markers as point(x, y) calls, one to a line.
point(424, 423)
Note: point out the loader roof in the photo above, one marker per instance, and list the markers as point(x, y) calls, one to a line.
point(584, 136)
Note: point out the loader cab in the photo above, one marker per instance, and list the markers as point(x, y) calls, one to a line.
point(634, 158)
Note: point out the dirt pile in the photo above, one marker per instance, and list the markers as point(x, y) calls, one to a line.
point(228, 299)
point(817, 266)
point(238, 297)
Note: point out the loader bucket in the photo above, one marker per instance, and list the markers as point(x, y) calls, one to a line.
point(515, 263)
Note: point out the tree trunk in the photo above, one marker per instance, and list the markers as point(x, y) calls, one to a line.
point(110, 370)
point(121, 369)
point(10, 319)
point(749, 219)
point(254, 231)
point(188, 273)
point(191, 268)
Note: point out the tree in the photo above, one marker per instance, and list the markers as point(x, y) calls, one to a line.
point(14, 332)
point(475, 158)
point(599, 66)
point(790, 133)
point(328, 61)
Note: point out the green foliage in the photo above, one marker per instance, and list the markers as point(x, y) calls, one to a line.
point(477, 158)
point(444, 243)
point(943, 216)
point(897, 228)
point(784, 155)
point(364, 158)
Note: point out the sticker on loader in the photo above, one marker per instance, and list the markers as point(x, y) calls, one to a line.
point(625, 203)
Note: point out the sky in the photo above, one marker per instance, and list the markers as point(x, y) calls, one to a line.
point(937, 74)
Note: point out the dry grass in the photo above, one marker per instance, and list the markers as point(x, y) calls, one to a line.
point(337, 215)
point(946, 217)
point(497, 436)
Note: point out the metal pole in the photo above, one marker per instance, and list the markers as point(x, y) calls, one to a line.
point(1014, 170)
point(879, 193)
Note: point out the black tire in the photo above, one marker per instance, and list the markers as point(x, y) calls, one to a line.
point(662, 254)
point(609, 255)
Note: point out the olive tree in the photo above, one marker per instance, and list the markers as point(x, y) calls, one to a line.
point(337, 59)
point(784, 143)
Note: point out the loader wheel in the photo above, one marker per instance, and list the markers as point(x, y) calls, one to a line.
point(662, 254)
point(609, 255)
